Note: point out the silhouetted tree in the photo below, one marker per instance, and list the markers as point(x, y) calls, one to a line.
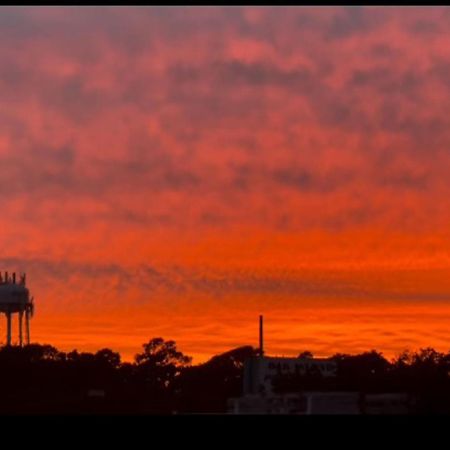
point(108, 357)
point(425, 374)
point(157, 367)
point(207, 387)
point(159, 352)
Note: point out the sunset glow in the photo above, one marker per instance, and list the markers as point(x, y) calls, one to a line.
point(178, 171)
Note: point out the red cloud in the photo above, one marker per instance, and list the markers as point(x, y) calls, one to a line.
point(244, 142)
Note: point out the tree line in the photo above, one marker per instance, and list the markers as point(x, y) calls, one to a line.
point(39, 379)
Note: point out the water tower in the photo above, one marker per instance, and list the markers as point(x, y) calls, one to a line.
point(15, 298)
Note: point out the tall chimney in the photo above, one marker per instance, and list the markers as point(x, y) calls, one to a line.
point(261, 341)
point(6, 277)
point(14, 277)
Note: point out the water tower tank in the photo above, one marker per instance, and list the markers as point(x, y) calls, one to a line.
point(15, 298)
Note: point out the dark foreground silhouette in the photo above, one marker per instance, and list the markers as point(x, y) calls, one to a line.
point(39, 379)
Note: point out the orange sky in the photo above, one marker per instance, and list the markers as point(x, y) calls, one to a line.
point(176, 172)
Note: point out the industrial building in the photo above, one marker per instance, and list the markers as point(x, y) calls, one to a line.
point(259, 372)
point(329, 403)
point(259, 398)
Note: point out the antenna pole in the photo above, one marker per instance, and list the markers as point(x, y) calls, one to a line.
point(261, 340)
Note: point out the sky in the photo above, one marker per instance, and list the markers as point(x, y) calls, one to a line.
point(178, 171)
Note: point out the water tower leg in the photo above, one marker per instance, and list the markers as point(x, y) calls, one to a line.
point(27, 325)
point(20, 328)
point(8, 328)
